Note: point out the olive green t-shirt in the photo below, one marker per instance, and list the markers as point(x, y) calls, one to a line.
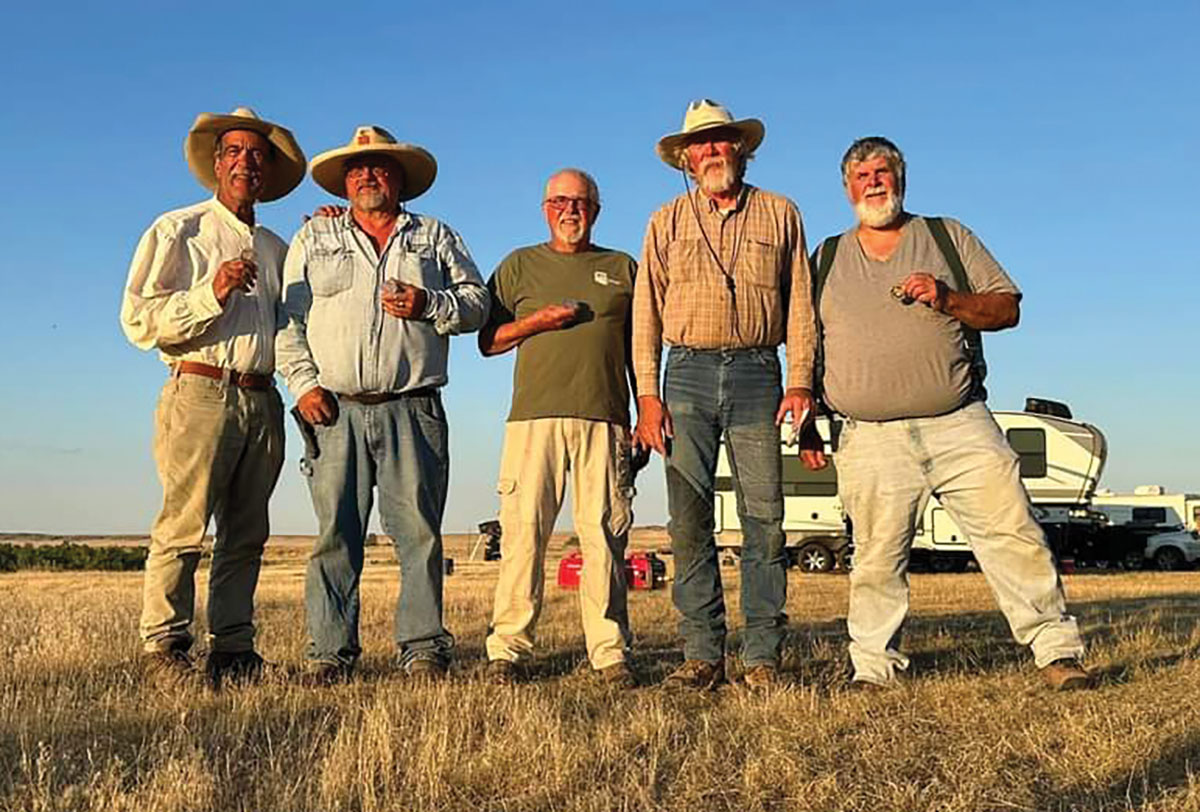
point(579, 371)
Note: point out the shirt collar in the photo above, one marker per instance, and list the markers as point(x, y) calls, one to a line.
point(403, 220)
point(230, 219)
point(711, 205)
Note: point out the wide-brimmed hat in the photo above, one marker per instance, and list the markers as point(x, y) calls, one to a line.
point(329, 168)
point(706, 114)
point(201, 146)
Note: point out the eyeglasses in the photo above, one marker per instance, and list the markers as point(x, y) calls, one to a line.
point(362, 170)
point(562, 202)
point(231, 152)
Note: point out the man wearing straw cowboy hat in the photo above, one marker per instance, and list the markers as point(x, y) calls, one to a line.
point(372, 296)
point(204, 289)
point(723, 281)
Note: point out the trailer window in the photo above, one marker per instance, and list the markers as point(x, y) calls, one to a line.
point(799, 481)
point(1150, 515)
point(1030, 445)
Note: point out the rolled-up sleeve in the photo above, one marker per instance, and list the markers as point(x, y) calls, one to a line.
point(293, 358)
point(801, 325)
point(649, 291)
point(463, 306)
point(162, 305)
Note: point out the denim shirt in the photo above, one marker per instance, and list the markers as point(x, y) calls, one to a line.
point(337, 334)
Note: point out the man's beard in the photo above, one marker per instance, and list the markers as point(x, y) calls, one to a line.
point(370, 199)
point(717, 176)
point(879, 216)
point(570, 233)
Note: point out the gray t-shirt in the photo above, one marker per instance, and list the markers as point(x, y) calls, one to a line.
point(886, 360)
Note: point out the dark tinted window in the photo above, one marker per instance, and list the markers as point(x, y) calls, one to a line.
point(1030, 445)
point(799, 481)
point(1150, 515)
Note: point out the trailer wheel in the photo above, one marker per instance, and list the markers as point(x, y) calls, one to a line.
point(1168, 559)
point(947, 563)
point(845, 559)
point(814, 557)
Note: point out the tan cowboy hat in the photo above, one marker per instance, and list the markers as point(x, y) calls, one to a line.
point(706, 114)
point(329, 168)
point(201, 145)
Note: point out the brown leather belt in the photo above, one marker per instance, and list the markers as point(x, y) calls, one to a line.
point(375, 398)
point(245, 380)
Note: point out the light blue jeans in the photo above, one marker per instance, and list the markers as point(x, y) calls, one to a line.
point(400, 447)
point(735, 393)
point(886, 474)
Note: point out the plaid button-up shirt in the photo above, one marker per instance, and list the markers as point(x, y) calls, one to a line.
point(683, 298)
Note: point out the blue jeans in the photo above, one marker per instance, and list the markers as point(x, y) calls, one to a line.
point(735, 392)
point(401, 447)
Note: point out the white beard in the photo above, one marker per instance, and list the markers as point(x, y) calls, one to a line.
point(718, 177)
point(370, 200)
point(875, 216)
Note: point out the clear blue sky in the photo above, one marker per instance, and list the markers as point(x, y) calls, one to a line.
point(1064, 134)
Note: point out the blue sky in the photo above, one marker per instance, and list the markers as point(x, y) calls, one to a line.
point(1064, 134)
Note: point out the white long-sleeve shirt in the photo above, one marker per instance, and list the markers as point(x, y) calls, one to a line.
point(169, 303)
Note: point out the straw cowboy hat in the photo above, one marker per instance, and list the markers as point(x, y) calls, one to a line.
point(201, 146)
point(420, 168)
point(701, 115)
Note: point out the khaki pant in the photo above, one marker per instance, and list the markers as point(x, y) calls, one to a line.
point(218, 449)
point(538, 457)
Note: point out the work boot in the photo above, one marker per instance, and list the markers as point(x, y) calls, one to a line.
point(502, 672)
point(618, 675)
point(427, 669)
point(696, 675)
point(760, 677)
point(170, 669)
point(233, 667)
point(319, 673)
point(1066, 674)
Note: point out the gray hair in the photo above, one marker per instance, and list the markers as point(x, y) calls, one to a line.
point(589, 181)
point(271, 151)
point(875, 146)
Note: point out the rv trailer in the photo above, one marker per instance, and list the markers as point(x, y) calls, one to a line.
point(1061, 461)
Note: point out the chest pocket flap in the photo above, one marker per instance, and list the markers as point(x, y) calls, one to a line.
point(329, 270)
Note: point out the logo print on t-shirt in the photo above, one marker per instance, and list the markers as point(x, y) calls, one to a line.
point(602, 278)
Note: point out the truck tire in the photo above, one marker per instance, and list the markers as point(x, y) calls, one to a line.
point(814, 557)
point(940, 562)
point(1168, 559)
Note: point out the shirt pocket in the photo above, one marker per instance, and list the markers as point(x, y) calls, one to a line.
point(763, 261)
point(329, 271)
point(421, 266)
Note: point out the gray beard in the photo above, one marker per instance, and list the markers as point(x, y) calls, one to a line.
point(717, 180)
point(879, 216)
point(370, 200)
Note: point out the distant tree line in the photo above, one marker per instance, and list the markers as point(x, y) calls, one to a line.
point(68, 556)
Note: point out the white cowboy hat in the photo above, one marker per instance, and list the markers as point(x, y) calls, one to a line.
point(201, 146)
point(420, 168)
point(706, 114)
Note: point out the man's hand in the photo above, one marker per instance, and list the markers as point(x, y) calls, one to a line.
point(554, 317)
point(318, 407)
point(812, 448)
point(654, 428)
point(233, 274)
point(404, 301)
point(925, 289)
point(328, 210)
point(799, 402)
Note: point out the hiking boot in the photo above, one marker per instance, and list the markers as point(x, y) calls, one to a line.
point(169, 669)
point(427, 669)
point(618, 675)
point(502, 672)
point(1066, 675)
point(319, 673)
point(696, 675)
point(233, 667)
point(761, 676)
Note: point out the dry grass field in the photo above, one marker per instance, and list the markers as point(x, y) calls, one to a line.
point(970, 729)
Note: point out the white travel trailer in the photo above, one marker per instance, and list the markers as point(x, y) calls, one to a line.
point(1061, 463)
point(1149, 507)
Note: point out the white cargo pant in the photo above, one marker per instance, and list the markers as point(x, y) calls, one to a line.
point(538, 457)
point(886, 474)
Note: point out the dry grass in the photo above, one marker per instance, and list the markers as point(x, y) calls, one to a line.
point(972, 729)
